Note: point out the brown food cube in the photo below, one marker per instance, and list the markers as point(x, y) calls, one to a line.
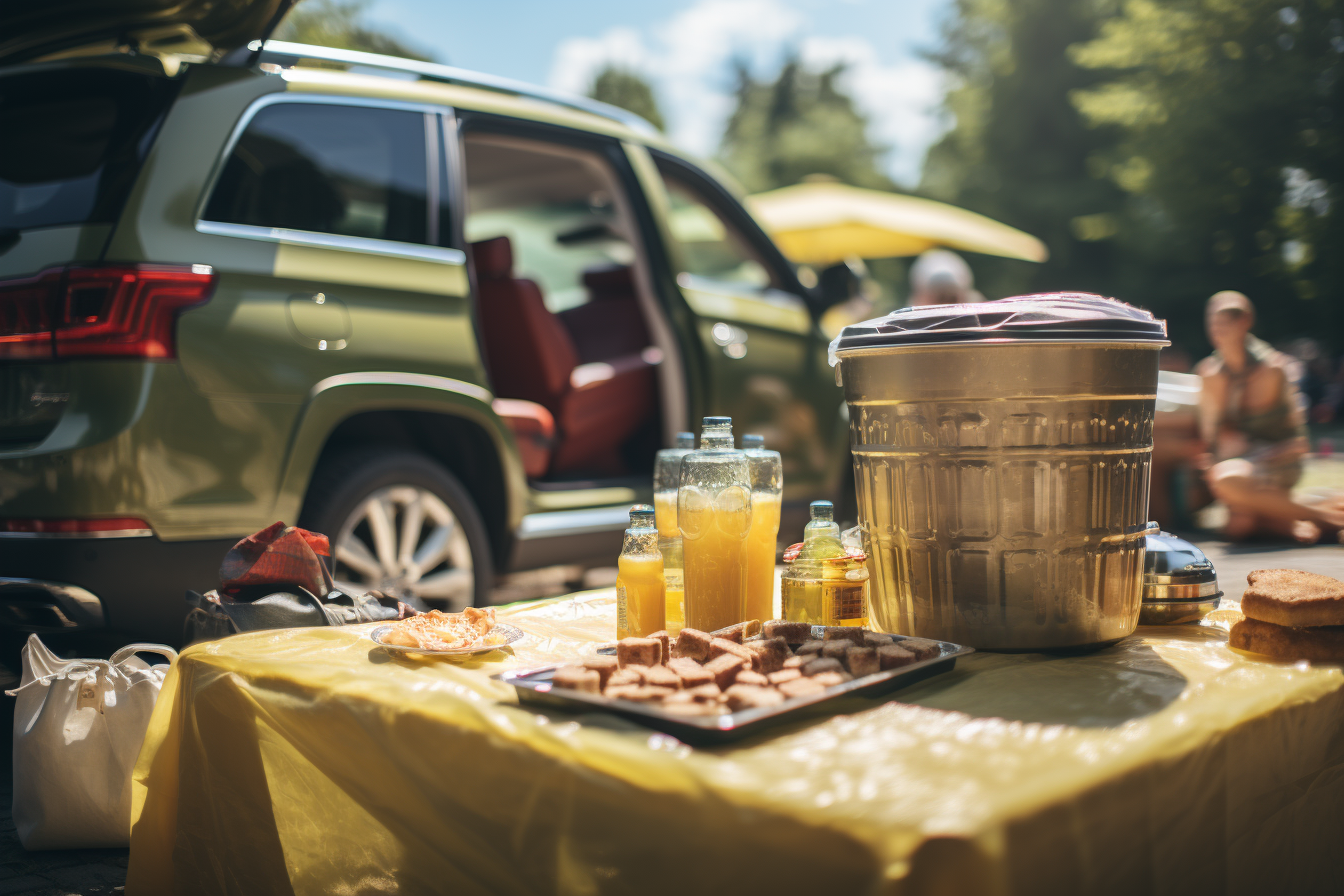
point(604, 666)
point(665, 640)
point(577, 678)
point(749, 677)
point(645, 693)
point(706, 692)
point(836, 650)
point(627, 676)
point(793, 633)
point(922, 648)
point(845, 633)
point(784, 675)
point(725, 667)
point(800, 687)
point(808, 647)
point(663, 677)
point(893, 656)
point(641, 651)
point(796, 662)
point(830, 679)
point(720, 646)
point(692, 644)
point(749, 696)
point(691, 673)
point(861, 661)
point(621, 691)
point(734, 633)
point(874, 639)
point(822, 664)
point(768, 655)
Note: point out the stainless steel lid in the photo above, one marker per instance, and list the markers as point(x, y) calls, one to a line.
point(1179, 582)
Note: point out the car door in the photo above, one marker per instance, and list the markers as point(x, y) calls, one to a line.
point(765, 353)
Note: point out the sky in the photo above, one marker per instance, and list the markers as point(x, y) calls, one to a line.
point(685, 47)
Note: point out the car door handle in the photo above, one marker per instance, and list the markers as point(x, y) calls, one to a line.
point(732, 340)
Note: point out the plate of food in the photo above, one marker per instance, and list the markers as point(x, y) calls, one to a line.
point(713, 687)
point(436, 633)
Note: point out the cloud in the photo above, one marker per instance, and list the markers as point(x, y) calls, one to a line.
point(688, 60)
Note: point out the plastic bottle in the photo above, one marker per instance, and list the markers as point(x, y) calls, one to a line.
point(767, 485)
point(666, 481)
point(714, 515)
point(640, 599)
point(825, 582)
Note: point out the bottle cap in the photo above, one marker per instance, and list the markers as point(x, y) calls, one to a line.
point(685, 440)
point(822, 510)
point(753, 440)
point(641, 513)
point(718, 421)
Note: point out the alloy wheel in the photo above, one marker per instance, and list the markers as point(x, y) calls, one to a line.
point(405, 541)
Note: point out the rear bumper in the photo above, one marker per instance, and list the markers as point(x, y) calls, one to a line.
point(133, 586)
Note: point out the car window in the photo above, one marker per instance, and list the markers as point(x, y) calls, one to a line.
point(348, 170)
point(72, 143)
point(711, 246)
point(557, 205)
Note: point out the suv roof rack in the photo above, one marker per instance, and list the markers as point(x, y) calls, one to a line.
point(279, 50)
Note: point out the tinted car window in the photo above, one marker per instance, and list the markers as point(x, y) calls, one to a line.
point(348, 170)
point(711, 247)
point(72, 143)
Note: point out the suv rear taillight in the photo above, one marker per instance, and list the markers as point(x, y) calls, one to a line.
point(124, 311)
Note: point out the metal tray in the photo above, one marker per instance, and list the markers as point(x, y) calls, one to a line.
point(534, 687)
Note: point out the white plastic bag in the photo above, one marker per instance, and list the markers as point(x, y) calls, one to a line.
point(78, 727)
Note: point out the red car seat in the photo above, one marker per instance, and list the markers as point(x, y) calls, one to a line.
point(610, 324)
point(596, 406)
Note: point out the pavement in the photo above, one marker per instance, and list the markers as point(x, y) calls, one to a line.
point(101, 872)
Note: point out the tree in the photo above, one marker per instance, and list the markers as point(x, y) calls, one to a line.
point(337, 23)
point(1019, 151)
point(802, 123)
point(627, 90)
point(1232, 151)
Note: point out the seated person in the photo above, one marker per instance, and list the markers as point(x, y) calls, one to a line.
point(1253, 428)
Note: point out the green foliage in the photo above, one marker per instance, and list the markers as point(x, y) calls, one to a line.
point(797, 125)
point(1231, 151)
point(1019, 150)
point(623, 88)
point(337, 23)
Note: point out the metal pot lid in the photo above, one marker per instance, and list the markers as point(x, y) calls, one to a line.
point(1174, 569)
point(1053, 317)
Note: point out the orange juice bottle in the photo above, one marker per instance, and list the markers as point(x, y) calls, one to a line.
point(640, 601)
point(666, 479)
point(767, 484)
point(714, 516)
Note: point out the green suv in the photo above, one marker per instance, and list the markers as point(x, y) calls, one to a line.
point(443, 318)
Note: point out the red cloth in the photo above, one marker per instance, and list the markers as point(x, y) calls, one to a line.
point(277, 555)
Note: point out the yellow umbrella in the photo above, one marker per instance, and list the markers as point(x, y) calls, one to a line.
point(823, 223)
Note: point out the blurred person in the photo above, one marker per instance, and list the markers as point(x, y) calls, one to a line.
point(848, 287)
point(1254, 431)
point(940, 277)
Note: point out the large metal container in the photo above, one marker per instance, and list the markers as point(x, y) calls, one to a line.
point(1002, 454)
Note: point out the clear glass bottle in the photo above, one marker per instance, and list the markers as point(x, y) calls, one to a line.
point(767, 485)
point(641, 603)
point(666, 481)
point(825, 582)
point(714, 516)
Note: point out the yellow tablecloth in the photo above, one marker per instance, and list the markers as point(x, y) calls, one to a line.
point(309, 761)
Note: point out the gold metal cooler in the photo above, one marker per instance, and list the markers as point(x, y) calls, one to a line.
point(1002, 454)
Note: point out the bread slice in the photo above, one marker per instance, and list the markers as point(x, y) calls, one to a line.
point(1319, 644)
point(1291, 597)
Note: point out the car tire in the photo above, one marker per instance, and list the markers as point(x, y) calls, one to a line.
point(361, 498)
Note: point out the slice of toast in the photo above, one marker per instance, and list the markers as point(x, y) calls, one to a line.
point(1320, 644)
point(1291, 597)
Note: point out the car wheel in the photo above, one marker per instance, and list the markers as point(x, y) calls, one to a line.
point(400, 523)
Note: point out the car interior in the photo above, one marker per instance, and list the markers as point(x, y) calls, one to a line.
point(573, 339)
